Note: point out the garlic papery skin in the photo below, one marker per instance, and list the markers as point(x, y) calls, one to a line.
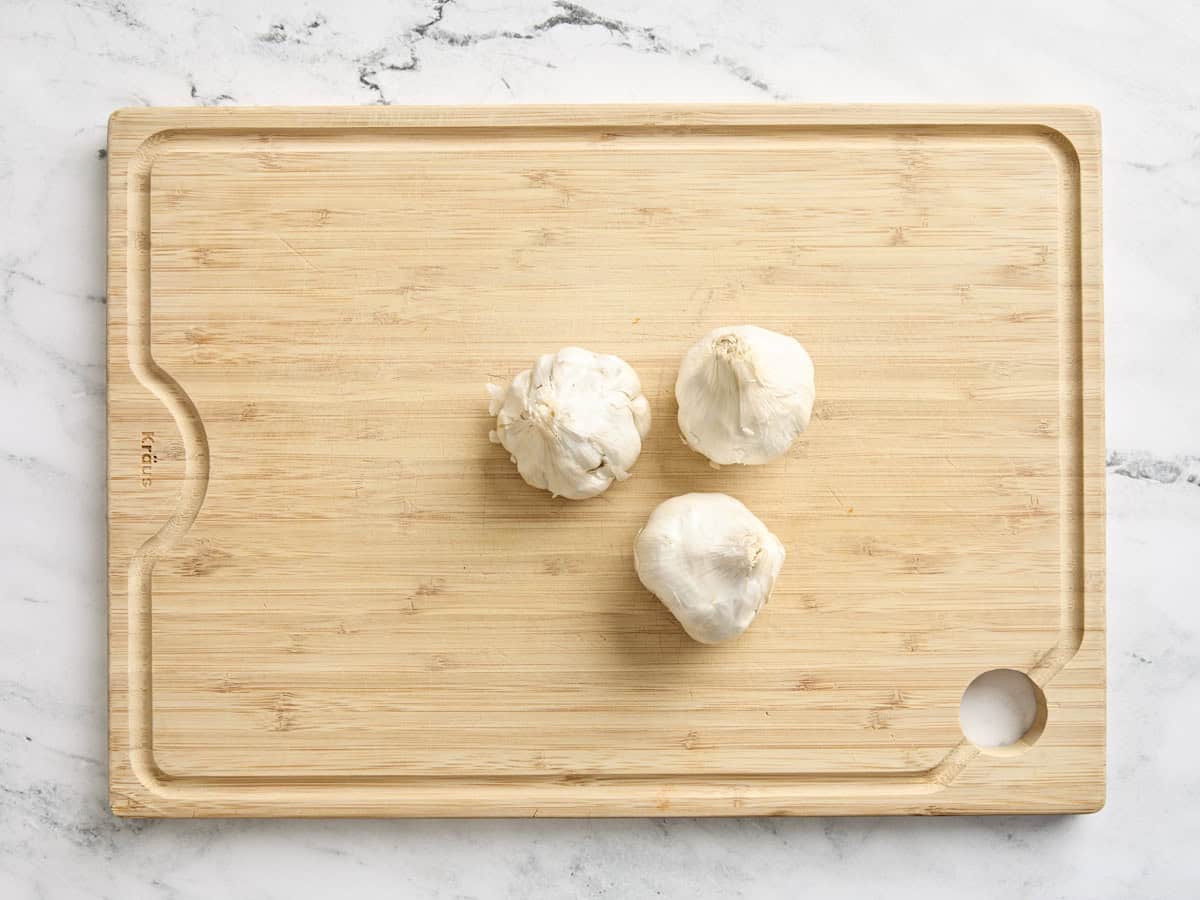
point(574, 423)
point(710, 561)
point(745, 394)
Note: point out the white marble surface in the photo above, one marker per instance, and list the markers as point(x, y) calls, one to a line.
point(65, 66)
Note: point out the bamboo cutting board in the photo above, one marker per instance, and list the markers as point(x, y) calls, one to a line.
point(331, 595)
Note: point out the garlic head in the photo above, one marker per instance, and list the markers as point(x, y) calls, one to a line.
point(573, 423)
point(710, 561)
point(745, 394)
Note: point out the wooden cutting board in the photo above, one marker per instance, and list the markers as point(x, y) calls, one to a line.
point(331, 595)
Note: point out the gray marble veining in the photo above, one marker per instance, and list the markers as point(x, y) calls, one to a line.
point(65, 65)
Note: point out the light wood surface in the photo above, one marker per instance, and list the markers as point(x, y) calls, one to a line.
point(331, 595)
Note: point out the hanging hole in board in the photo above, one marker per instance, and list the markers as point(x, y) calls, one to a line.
point(1002, 712)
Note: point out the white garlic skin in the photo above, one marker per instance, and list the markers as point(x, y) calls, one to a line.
point(745, 394)
point(710, 561)
point(574, 423)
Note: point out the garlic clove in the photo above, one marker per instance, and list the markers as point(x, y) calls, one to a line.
point(710, 561)
point(573, 423)
point(745, 394)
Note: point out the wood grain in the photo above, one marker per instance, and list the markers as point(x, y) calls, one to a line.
point(330, 595)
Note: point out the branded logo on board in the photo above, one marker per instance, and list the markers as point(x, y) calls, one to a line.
point(149, 458)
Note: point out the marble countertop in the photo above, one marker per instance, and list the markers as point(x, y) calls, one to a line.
point(64, 66)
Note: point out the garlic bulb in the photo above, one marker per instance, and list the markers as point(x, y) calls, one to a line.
point(573, 423)
point(744, 394)
point(710, 561)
